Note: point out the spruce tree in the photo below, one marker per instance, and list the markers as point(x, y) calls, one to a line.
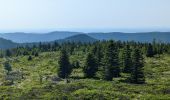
point(98, 54)
point(64, 69)
point(7, 67)
point(8, 53)
point(111, 62)
point(127, 62)
point(150, 52)
point(29, 58)
point(90, 67)
point(1, 55)
point(137, 74)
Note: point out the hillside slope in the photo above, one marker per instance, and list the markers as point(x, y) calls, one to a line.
point(139, 37)
point(35, 37)
point(5, 44)
point(78, 38)
point(83, 38)
point(157, 71)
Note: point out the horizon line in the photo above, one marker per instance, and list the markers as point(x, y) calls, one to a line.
point(86, 30)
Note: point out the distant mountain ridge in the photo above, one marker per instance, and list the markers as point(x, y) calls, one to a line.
point(5, 44)
point(60, 35)
point(20, 37)
point(83, 38)
point(138, 37)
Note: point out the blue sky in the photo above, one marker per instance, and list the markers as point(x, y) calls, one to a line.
point(48, 15)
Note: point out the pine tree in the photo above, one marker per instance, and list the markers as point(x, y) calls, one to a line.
point(137, 74)
point(98, 54)
point(64, 69)
point(90, 67)
point(7, 67)
point(8, 53)
point(1, 54)
point(150, 52)
point(111, 62)
point(29, 58)
point(127, 62)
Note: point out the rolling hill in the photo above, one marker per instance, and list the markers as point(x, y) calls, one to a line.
point(84, 38)
point(5, 44)
point(35, 37)
point(139, 37)
point(22, 38)
point(59, 35)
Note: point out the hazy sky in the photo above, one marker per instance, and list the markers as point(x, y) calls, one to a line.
point(83, 14)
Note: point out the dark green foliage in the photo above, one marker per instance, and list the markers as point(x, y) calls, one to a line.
point(7, 67)
point(1, 54)
point(8, 53)
point(127, 61)
point(150, 52)
point(72, 47)
point(29, 58)
point(38, 80)
point(25, 53)
point(98, 54)
point(36, 54)
point(76, 64)
point(111, 62)
point(90, 67)
point(106, 54)
point(64, 68)
point(137, 74)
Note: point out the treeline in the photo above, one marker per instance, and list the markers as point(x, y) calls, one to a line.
point(148, 49)
point(111, 58)
point(106, 58)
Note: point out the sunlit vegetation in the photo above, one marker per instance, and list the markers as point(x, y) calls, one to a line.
point(100, 70)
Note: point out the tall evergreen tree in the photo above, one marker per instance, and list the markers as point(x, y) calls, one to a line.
point(98, 54)
point(1, 54)
point(29, 58)
point(127, 62)
point(137, 74)
point(90, 67)
point(7, 67)
point(8, 53)
point(111, 62)
point(64, 69)
point(150, 52)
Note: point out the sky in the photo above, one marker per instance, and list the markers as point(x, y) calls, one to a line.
point(84, 15)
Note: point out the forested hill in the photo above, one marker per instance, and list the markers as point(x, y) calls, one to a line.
point(78, 38)
point(59, 35)
point(4, 44)
point(83, 38)
point(138, 37)
point(21, 37)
